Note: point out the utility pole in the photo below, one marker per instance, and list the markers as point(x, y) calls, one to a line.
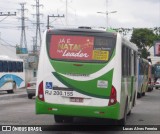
point(38, 29)
point(7, 14)
point(66, 13)
point(23, 41)
point(58, 16)
point(107, 14)
point(33, 40)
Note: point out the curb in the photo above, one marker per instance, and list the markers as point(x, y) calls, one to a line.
point(19, 93)
point(13, 96)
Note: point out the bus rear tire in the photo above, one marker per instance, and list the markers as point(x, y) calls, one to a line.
point(143, 94)
point(63, 119)
point(134, 100)
point(150, 89)
point(139, 95)
point(30, 96)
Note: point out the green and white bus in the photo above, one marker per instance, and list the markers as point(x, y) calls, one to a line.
point(143, 73)
point(86, 73)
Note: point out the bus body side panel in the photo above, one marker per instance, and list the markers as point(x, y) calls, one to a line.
point(143, 66)
point(140, 77)
point(9, 79)
point(117, 77)
point(128, 83)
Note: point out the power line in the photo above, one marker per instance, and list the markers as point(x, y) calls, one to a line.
point(6, 15)
point(10, 21)
point(8, 44)
point(4, 18)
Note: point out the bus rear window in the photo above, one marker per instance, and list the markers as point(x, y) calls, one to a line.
point(81, 48)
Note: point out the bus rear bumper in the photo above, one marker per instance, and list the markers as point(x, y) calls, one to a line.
point(110, 112)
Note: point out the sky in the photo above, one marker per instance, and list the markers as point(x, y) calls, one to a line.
point(130, 13)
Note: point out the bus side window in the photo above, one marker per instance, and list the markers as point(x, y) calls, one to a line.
point(21, 65)
point(18, 66)
point(10, 68)
point(5, 66)
point(135, 64)
point(129, 62)
point(123, 59)
point(140, 67)
point(1, 66)
point(14, 66)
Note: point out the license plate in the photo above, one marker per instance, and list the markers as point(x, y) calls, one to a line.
point(75, 99)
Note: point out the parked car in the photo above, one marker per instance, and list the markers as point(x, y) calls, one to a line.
point(31, 88)
point(157, 84)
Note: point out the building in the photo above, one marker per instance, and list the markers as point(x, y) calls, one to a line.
point(154, 58)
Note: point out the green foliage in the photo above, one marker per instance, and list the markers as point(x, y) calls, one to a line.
point(144, 39)
point(144, 53)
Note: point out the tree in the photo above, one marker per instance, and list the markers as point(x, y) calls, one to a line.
point(144, 39)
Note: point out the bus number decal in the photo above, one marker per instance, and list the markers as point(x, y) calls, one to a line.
point(63, 93)
point(57, 92)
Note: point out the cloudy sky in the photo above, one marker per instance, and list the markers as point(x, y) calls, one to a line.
point(130, 13)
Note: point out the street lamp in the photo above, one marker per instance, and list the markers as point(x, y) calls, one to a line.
point(107, 13)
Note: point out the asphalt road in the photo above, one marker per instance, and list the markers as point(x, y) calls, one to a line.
point(21, 111)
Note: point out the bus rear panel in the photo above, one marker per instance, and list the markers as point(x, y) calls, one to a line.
point(76, 70)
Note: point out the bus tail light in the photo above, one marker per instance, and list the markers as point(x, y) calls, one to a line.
point(40, 92)
point(113, 97)
point(28, 85)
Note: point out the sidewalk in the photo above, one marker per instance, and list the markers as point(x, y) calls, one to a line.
point(19, 93)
